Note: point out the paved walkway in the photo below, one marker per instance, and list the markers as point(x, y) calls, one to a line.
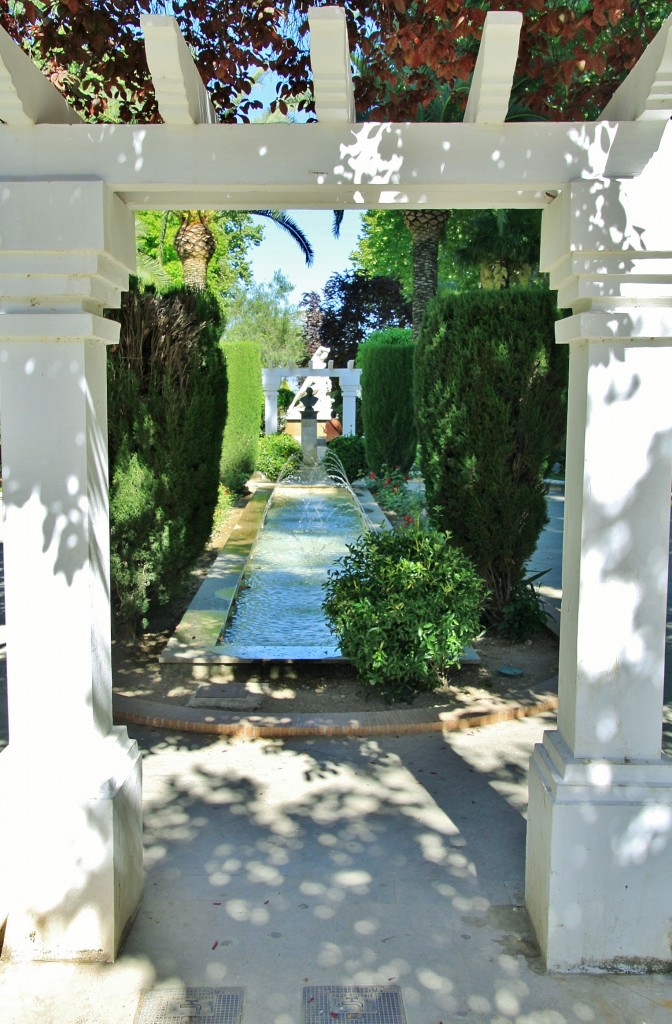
point(274, 865)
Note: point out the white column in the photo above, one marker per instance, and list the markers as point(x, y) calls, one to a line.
point(270, 382)
point(600, 814)
point(350, 382)
point(70, 782)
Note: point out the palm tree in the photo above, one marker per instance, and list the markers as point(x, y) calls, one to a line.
point(427, 227)
point(195, 243)
point(195, 246)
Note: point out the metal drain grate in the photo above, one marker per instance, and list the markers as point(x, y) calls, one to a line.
point(191, 1006)
point(365, 1004)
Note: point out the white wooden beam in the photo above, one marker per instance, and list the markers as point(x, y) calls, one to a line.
point(490, 91)
point(179, 88)
point(317, 166)
point(330, 60)
point(646, 94)
point(26, 96)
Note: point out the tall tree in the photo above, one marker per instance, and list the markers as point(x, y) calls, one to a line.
point(493, 248)
point(262, 313)
point(573, 52)
point(353, 306)
point(202, 235)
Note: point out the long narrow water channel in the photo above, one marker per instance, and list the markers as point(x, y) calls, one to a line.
point(278, 610)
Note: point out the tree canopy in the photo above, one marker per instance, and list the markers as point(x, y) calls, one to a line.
point(353, 306)
point(234, 233)
point(573, 52)
point(262, 313)
point(495, 247)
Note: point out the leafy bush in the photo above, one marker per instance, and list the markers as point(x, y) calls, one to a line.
point(392, 494)
point(244, 399)
point(275, 450)
point(490, 388)
point(403, 604)
point(350, 451)
point(166, 407)
point(523, 617)
point(386, 359)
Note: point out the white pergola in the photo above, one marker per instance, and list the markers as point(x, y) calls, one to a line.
point(600, 813)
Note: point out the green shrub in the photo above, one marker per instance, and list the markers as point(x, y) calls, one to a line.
point(350, 450)
point(166, 407)
point(275, 451)
point(393, 495)
point(386, 359)
point(490, 388)
point(244, 398)
point(403, 604)
point(523, 617)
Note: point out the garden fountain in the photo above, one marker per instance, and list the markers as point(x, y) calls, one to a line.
point(311, 517)
point(262, 599)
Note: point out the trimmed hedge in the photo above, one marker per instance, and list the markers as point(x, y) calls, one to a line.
point(386, 359)
point(275, 451)
point(350, 451)
point(244, 398)
point(166, 409)
point(490, 396)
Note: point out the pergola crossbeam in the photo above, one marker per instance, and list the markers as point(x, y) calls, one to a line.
point(179, 88)
point(330, 61)
point(646, 94)
point(26, 96)
point(311, 165)
point(490, 91)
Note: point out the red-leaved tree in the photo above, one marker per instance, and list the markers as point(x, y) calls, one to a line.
point(572, 55)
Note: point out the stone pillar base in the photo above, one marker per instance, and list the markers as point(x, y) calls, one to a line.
point(71, 853)
point(598, 861)
point(309, 440)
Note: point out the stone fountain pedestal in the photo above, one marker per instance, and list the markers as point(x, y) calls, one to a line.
point(309, 428)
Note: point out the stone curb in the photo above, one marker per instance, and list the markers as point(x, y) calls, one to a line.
point(135, 711)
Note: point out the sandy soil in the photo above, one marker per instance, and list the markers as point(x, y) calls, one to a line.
point(324, 687)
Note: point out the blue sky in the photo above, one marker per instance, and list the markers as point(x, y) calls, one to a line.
point(279, 252)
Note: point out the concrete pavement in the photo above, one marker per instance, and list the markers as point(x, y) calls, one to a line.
point(273, 865)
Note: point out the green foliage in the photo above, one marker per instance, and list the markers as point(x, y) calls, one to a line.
point(234, 233)
point(350, 450)
point(244, 395)
point(491, 247)
point(386, 358)
point(523, 617)
point(263, 314)
point(490, 386)
point(353, 306)
point(166, 400)
point(285, 397)
point(403, 604)
point(275, 452)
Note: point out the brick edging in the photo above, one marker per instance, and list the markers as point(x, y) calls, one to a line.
point(133, 711)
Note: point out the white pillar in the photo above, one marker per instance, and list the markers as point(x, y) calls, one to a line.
point(350, 383)
point(70, 782)
point(270, 382)
point(600, 814)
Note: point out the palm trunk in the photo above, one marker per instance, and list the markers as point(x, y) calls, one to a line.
point(426, 228)
point(195, 245)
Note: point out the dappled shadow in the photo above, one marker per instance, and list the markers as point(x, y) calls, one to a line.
point(389, 861)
